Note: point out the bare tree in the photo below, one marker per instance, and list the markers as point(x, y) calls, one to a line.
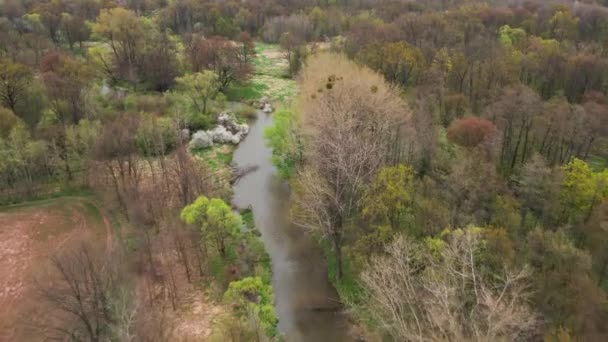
point(350, 112)
point(89, 288)
point(415, 295)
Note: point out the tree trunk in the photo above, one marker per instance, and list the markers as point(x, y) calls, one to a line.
point(338, 255)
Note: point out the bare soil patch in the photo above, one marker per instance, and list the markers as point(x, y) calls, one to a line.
point(29, 237)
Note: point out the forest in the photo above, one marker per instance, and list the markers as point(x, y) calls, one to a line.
point(304, 170)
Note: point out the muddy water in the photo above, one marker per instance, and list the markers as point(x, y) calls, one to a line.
point(304, 299)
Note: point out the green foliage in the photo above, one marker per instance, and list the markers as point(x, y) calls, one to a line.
point(566, 294)
point(252, 300)
point(14, 81)
point(582, 189)
point(282, 137)
point(156, 136)
point(248, 91)
point(218, 224)
point(200, 87)
point(511, 36)
point(390, 195)
point(398, 62)
point(8, 120)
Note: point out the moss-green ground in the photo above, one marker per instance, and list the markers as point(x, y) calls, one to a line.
point(270, 77)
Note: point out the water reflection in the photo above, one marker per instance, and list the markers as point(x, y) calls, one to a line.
point(300, 284)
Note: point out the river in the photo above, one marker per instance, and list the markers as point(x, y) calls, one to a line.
point(304, 298)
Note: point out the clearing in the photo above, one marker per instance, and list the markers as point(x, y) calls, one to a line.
point(30, 234)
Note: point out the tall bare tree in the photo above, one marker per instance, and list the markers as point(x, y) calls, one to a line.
point(347, 113)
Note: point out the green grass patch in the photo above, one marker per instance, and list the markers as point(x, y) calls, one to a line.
point(216, 157)
point(92, 211)
point(251, 90)
point(348, 287)
point(63, 192)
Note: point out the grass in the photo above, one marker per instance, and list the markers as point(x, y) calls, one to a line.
point(65, 192)
point(65, 214)
point(216, 157)
point(270, 77)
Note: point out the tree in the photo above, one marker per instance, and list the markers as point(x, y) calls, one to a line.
point(201, 87)
point(8, 120)
point(158, 63)
point(285, 141)
point(123, 30)
point(538, 190)
point(389, 197)
point(91, 290)
point(297, 25)
point(218, 224)
point(252, 300)
point(346, 113)
point(66, 81)
point(294, 51)
point(14, 81)
point(220, 55)
point(470, 132)
point(398, 62)
point(50, 16)
point(596, 238)
point(438, 291)
point(247, 48)
point(582, 189)
point(514, 114)
point(74, 29)
point(564, 25)
point(565, 292)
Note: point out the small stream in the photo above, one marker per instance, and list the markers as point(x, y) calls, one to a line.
point(305, 301)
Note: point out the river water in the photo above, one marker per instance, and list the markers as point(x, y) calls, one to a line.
point(305, 301)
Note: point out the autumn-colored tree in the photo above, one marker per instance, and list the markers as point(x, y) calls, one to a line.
point(471, 132)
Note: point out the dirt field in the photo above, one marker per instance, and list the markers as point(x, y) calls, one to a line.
point(29, 236)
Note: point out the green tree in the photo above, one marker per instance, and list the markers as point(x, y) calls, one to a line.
point(252, 300)
point(123, 30)
point(217, 223)
point(8, 120)
point(14, 81)
point(511, 36)
point(582, 189)
point(200, 87)
point(398, 62)
point(389, 197)
point(283, 138)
